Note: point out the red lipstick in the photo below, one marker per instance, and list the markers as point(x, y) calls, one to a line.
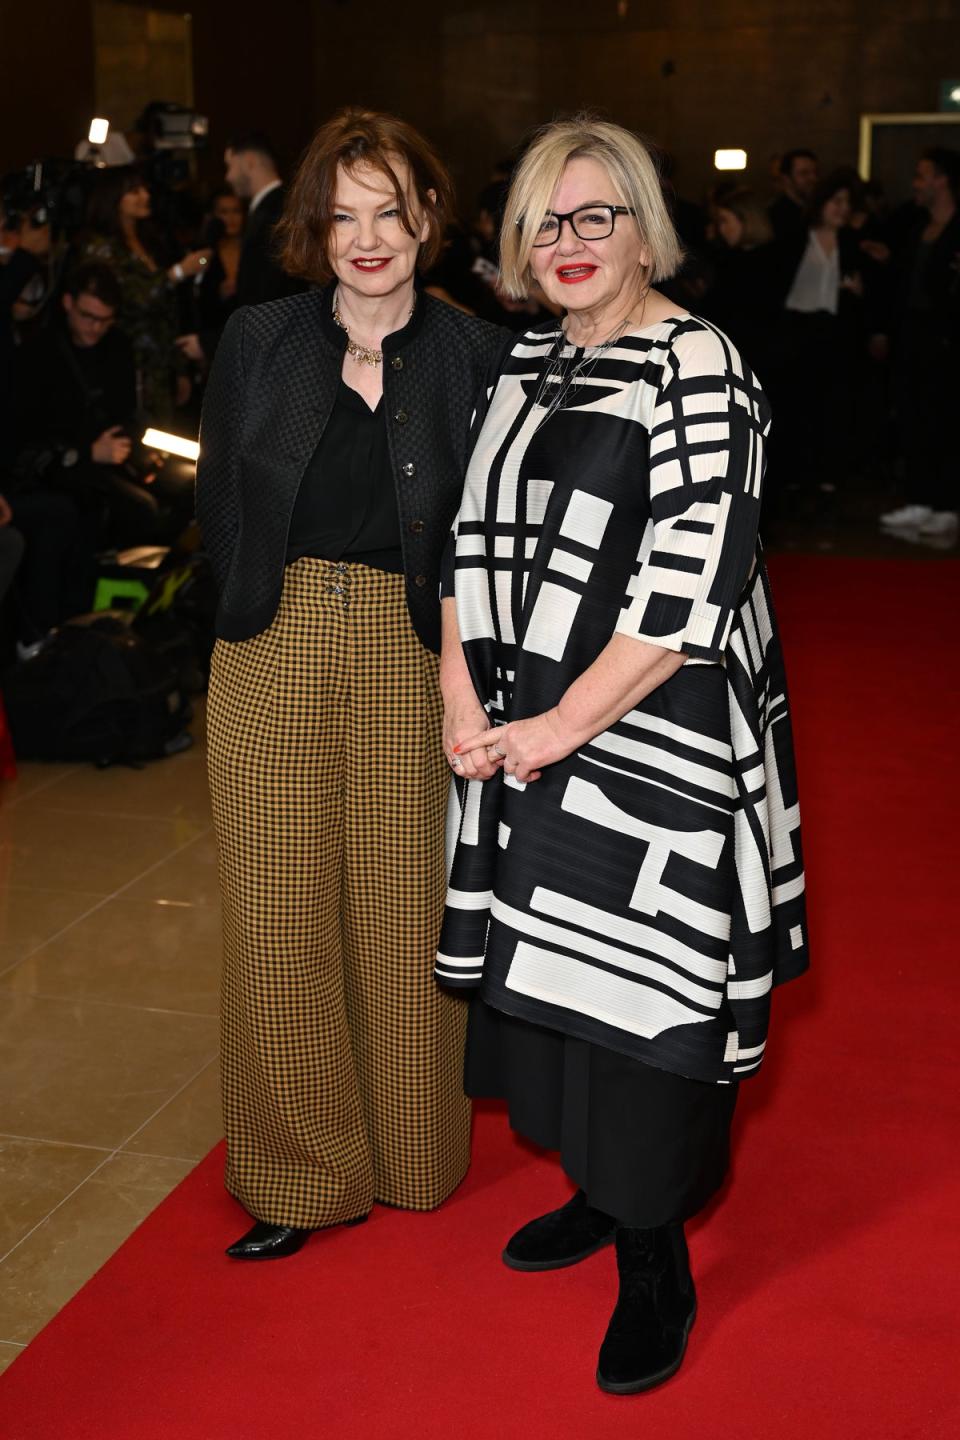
point(373, 264)
point(573, 274)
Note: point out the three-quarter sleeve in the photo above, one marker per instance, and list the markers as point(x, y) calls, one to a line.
point(218, 468)
point(706, 464)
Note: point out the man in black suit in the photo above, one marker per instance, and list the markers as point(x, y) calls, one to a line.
point(252, 174)
point(799, 177)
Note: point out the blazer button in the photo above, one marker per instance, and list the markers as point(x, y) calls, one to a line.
point(416, 527)
point(401, 417)
point(420, 580)
point(397, 362)
point(409, 468)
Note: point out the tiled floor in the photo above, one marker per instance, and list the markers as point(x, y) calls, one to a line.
point(109, 957)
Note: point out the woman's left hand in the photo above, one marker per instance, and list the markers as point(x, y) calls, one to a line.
point(193, 263)
point(526, 746)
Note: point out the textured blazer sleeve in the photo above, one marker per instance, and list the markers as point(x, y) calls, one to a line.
point(218, 469)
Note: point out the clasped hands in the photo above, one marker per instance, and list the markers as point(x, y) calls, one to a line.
point(523, 748)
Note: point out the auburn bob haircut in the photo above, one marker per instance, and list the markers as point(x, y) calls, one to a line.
point(357, 138)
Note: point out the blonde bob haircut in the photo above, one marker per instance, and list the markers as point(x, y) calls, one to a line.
point(634, 180)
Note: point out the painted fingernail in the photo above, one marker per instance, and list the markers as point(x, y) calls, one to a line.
point(456, 749)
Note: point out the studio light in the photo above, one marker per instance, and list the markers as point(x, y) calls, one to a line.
point(171, 444)
point(98, 132)
point(730, 159)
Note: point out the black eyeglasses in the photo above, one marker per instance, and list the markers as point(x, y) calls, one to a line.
point(91, 319)
point(588, 222)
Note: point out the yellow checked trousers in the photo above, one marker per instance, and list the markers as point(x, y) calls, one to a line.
point(341, 1061)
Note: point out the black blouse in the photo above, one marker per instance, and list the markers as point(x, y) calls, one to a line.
point(346, 507)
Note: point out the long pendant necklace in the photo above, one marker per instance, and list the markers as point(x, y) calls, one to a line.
point(560, 376)
point(363, 354)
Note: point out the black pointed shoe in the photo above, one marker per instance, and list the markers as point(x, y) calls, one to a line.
point(269, 1242)
point(647, 1336)
point(563, 1237)
point(274, 1242)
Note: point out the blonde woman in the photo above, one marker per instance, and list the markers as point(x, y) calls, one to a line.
point(627, 883)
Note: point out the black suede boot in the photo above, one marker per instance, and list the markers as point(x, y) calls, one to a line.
point(560, 1238)
point(647, 1335)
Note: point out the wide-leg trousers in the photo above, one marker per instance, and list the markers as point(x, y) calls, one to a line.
point(341, 1060)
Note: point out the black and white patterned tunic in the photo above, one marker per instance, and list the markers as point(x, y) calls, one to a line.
point(647, 893)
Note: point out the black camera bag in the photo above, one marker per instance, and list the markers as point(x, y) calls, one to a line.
point(96, 692)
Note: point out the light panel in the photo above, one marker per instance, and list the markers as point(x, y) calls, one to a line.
point(730, 159)
point(171, 444)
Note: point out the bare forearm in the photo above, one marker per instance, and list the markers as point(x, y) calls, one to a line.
point(624, 673)
point(454, 676)
point(463, 714)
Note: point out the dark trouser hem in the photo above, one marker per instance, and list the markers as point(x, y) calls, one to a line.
point(647, 1147)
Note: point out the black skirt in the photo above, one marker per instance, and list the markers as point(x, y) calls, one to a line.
point(647, 1147)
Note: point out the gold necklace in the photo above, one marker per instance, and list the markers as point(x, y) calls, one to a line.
point(364, 355)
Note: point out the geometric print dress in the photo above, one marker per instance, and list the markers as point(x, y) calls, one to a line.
point(647, 893)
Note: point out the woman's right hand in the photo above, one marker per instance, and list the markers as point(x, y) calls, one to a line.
point(464, 716)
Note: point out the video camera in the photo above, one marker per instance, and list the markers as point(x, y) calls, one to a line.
point(171, 133)
point(46, 192)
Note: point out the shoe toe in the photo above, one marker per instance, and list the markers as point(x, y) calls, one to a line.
point(268, 1242)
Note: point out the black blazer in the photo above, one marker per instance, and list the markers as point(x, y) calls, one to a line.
point(259, 276)
point(270, 394)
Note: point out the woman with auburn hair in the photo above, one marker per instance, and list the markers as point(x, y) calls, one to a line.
point(333, 449)
point(628, 887)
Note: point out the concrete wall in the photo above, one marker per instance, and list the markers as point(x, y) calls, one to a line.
point(695, 74)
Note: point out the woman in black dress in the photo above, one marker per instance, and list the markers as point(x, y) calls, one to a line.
point(216, 295)
point(627, 883)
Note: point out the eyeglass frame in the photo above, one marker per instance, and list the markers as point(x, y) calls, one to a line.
point(568, 215)
point(104, 321)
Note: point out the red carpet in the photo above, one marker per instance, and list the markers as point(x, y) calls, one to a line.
point(827, 1273)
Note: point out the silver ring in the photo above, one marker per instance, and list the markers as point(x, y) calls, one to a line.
point(497, 751)
point(201, 259)
point(455, 760)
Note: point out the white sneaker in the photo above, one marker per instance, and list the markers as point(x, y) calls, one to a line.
point(28, 652)
point(941, 522)
point(908, 517)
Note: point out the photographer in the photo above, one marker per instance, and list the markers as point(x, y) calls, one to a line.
point(77, 397)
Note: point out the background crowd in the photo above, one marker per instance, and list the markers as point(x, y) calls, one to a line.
point(845, 302)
